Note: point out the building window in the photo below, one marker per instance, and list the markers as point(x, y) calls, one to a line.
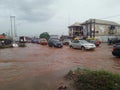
point(70, 34)
point(111, 29)
point(111, 32)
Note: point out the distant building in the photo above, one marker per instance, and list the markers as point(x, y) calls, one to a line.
point(2, 36)
point(75, 30)
point(96, 28)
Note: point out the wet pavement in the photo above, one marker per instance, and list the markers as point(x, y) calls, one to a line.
point(38, 67)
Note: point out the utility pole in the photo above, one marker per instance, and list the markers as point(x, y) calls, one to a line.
point(94, 29)
point(13, 27)
point(15, 32)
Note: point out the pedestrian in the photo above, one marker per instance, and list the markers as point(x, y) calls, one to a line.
point(3, 42)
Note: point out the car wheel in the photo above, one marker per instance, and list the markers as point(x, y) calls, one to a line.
point(82, 48)
point(70, 46)
point(66, 43)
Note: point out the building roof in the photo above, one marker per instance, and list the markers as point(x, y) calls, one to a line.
point(98, 21)
point(2, 37)
point(75, 24)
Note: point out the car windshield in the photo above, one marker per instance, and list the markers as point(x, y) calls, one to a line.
point(56, 40)
point(83, 42)
point(66, 39)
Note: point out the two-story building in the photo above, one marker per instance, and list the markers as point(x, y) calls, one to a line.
point(96, 28)
point(76, 30)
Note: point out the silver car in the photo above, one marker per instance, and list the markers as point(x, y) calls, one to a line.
point(81, 44)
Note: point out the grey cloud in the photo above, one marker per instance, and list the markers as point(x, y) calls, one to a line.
point(111, 3)
point(29, 10)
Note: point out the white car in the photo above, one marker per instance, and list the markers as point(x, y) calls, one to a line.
point(81, 44)
point(14, 44)
point(66, 41)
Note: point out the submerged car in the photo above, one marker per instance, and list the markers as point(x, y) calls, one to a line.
point(55, 43)
point(97, 43)
point(14, 44)
point(35, 40)
point(113, 40)
point(116, 44)
point(82, 44)
point(116, 51)
point(66, 41)
point(43, 41)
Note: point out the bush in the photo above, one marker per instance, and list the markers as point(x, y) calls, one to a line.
point(6, 46)
point(95, 80)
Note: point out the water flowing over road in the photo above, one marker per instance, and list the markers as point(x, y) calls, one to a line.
point(38, 67)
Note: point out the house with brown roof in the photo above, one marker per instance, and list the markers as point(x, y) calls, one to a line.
point(2, 36)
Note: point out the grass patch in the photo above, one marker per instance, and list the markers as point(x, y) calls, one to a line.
point(6, 46)
point(85, 79)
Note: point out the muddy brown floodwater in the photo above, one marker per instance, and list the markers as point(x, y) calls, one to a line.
point(38, 67)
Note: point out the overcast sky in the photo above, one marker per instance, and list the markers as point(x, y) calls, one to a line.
point(54, 16)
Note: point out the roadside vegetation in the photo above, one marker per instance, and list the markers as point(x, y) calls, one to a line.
point(5, 43)
point(5, 46)
point(9, 44)
point(84, 79)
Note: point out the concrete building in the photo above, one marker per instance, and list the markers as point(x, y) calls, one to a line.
point(97, 28)
point(76, 30)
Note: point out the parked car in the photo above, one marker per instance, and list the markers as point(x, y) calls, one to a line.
point(82, 44)
point(14, 44)
point(113, 40)
point(35, 40)
point(66, 41)
point(114, 45)
point(43, 41)
point(95, 41)
point(116, 51)
point(55, 43)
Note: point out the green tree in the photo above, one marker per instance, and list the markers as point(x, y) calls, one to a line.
point(44, 35)
point(4, 34)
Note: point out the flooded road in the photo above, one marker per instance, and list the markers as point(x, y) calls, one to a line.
point(37, 67)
